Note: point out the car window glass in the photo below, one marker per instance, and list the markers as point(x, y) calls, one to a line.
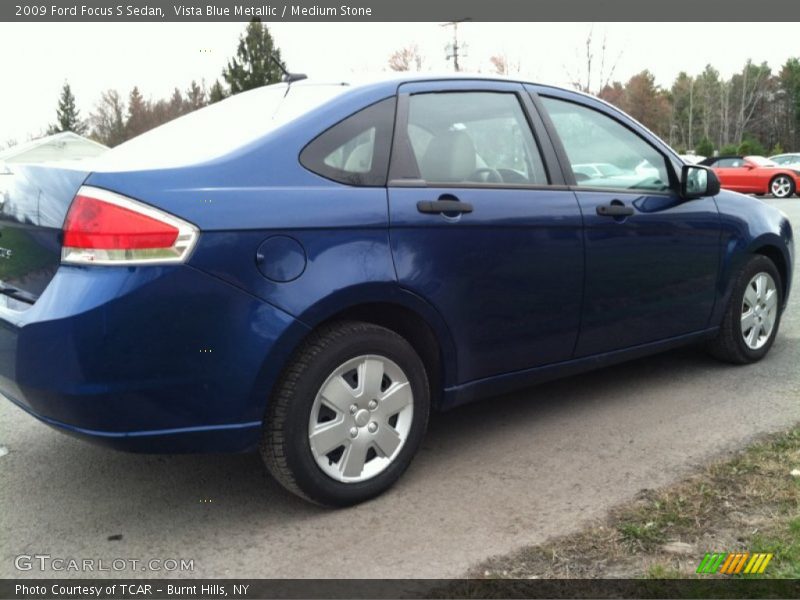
point(473, 137)
point(354, 151)
point(605, 153)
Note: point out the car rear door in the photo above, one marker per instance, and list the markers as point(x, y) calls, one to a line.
point(651, 257)
point(482, 225)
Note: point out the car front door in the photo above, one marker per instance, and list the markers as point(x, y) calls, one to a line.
point(732, 174)
point(651, 257)
point(482, 225)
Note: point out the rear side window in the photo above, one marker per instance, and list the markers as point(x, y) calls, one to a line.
point(354, 151)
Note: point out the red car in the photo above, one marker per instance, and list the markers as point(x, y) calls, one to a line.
point(754, 175)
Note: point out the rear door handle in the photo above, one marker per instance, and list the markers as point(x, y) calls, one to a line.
point(443, 206)
point(615, 209)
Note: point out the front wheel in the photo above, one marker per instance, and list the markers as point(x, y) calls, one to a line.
point(348, 415)
point(751, 320)
point(781, 186)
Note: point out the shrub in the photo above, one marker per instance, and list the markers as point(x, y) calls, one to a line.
point(705, 147)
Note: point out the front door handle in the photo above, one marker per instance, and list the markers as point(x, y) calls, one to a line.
point(443, 206)
point(614, 209)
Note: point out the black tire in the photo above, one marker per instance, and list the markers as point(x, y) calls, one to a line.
point(730, 345)
point(285, 445)
point(792, 189)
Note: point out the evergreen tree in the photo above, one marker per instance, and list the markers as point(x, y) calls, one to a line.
point(195, 96)
point(216, 93)
point(67, 114)
point(138, 120)
point(253, 65)
point(705, 147)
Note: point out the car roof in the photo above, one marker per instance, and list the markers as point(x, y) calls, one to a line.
point(393, 79)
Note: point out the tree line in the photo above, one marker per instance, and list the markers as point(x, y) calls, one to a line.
point(755, 111)
point(117, 117)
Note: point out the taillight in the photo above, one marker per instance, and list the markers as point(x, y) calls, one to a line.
point(105, 228)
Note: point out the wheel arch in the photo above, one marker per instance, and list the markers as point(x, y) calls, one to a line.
point(403, 312)
point(772, 251)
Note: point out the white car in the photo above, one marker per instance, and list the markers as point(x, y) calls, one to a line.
point(791, 160)
point(692, 159)
point(608, 173)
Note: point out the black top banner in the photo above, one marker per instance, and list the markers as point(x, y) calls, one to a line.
point(401, 10)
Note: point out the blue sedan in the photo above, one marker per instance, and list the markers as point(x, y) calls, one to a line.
point(309, 269)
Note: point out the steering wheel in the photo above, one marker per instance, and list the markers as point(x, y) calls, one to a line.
point(486, 175)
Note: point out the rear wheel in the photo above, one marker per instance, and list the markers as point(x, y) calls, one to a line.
point(348, 415)
point(781, 186)
point(751, 321)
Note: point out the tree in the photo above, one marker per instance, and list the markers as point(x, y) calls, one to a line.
point(138, 120)
point(177, 106)
point(789, 87)
point(254, 63)
point(406, 59)
point(195, 96)
point(751, 147)
point(594, 77)
point(748, 92)
point(67, 114)
point(217, 93)
point(706, 97)
point(108, 123)
point(502, 66)
point(682, 121)
point(704, 148)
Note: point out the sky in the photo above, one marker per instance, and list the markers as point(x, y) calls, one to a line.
point(93, 57)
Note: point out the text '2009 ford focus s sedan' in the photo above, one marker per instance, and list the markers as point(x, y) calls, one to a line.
point(310, 269)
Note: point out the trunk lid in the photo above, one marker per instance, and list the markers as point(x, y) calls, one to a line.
point(34, 200)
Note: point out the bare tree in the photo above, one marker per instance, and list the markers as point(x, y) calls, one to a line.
point(406, 59)
point(585, 79)
point(502, 66)
point(752, 92)
point(108, 121)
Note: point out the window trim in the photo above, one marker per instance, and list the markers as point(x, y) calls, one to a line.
point(379, 162)
point(403, 160)
point(566, 165)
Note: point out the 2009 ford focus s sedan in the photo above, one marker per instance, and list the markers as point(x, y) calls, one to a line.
point(310, 269)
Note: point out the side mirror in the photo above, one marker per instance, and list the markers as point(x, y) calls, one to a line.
point(698, 181)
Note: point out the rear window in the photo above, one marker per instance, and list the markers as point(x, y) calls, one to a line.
point(218, 128)
point(355, 151)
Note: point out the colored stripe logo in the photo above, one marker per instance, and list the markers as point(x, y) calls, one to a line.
point(734, 563)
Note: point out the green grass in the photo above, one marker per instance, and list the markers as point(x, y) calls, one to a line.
point(747, 503)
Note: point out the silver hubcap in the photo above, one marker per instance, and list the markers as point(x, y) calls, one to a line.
point(361, 418)
point(781, 187)
point(759, 310)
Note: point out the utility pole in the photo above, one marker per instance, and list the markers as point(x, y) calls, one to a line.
point(453, 49)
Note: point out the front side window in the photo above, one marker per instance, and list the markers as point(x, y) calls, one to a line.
point(603, 152)
point(354, 151)
point(472, 138)
point(729, 163)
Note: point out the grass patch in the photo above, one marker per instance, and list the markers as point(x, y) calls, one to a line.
point(747, 503)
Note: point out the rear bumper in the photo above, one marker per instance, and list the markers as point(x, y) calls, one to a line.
point(148, 359)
